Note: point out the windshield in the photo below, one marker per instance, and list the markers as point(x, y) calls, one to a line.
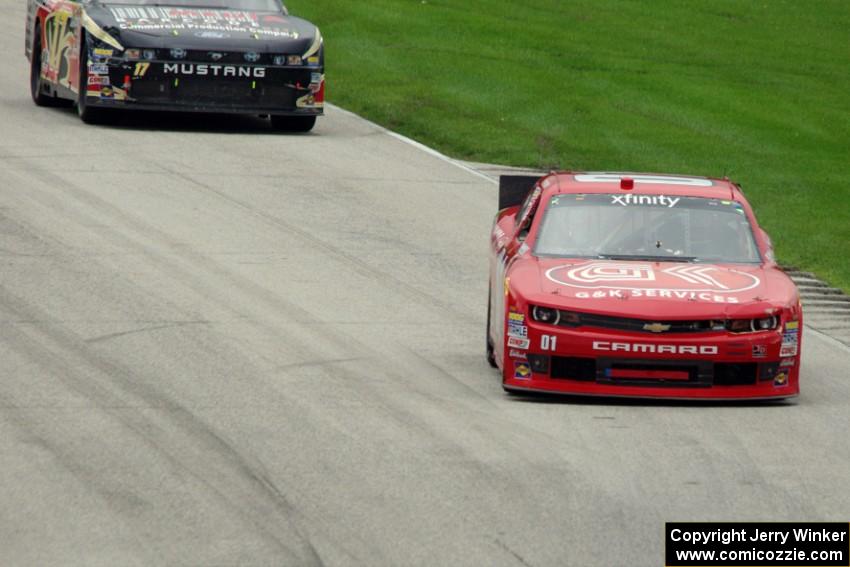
point(251, 5)
point(646, 227)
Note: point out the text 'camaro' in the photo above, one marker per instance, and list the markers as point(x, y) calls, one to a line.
point(638, 285)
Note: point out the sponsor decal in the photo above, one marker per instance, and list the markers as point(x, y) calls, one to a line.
point(517, 354)
point(780, 379)
point(212, 34)
point(516, 342)
point(522, 371)
point(199, 21)
point(107, 92)
point(103, 52)
point(599, 280)
point(274, 18)
point(792, 325)
point(98, 69)
point(650, 348)
point(204, 69)
point(515, 316)
point(787, 362)
point(759, 351)
point(517, 330)
point(98, 80)
point(309, 101)
point(790, 343)
point(652, 200)
point(313, 60)
point(788, 350)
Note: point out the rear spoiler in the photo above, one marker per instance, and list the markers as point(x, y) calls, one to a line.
point(514, 188)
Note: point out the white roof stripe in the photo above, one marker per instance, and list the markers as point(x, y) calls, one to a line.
point(655, 179)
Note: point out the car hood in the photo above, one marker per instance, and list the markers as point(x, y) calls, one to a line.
point(655, 290)
point(164, 26)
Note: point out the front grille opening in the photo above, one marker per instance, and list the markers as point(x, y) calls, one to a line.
point(573, 368)
point(640, 325)
point(636, 372)
point(735, 374)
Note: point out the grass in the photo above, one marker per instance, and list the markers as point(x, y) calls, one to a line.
point(756, 90)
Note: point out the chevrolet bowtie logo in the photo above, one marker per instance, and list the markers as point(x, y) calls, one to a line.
point(656, 327)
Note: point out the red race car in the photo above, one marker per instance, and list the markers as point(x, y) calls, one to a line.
point(641, 285)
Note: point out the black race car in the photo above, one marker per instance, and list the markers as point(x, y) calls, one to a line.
point(234, 56)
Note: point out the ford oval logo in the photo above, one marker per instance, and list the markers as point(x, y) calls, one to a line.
point(216, 55)
point(252, 57)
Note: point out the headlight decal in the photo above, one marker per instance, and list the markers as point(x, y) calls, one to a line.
point(99, 33)
point(315, 46)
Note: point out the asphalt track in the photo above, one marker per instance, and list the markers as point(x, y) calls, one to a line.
point(220, 346)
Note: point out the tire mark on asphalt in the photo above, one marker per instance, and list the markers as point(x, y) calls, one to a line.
point(200, 285)
point(355, 263)
point(111, 336)
point(336, 340)
point(119, 383)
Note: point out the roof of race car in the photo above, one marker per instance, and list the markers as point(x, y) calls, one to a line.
point(643, 183)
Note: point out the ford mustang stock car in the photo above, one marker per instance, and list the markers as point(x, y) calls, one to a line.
point(234, 56)
point(640, 285)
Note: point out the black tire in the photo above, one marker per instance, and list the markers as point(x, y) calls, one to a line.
point(491, 355)
point(39, 97)
point(293, 123)
point(88, 114)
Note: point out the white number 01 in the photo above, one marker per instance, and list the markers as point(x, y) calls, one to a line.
point(548, 342)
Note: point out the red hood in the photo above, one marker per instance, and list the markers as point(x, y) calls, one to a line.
point(656, 290)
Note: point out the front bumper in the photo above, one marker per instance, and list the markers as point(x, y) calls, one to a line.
point(718, 366)
point(206, 87)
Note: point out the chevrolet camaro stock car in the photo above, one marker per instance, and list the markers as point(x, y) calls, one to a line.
point(638, 285)
point(234, 56)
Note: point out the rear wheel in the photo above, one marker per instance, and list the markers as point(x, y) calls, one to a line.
point(293, 123)
point(88, 114)
point(36, 82)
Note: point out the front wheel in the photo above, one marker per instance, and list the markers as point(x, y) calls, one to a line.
point(87, 114)
point(293, 123)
